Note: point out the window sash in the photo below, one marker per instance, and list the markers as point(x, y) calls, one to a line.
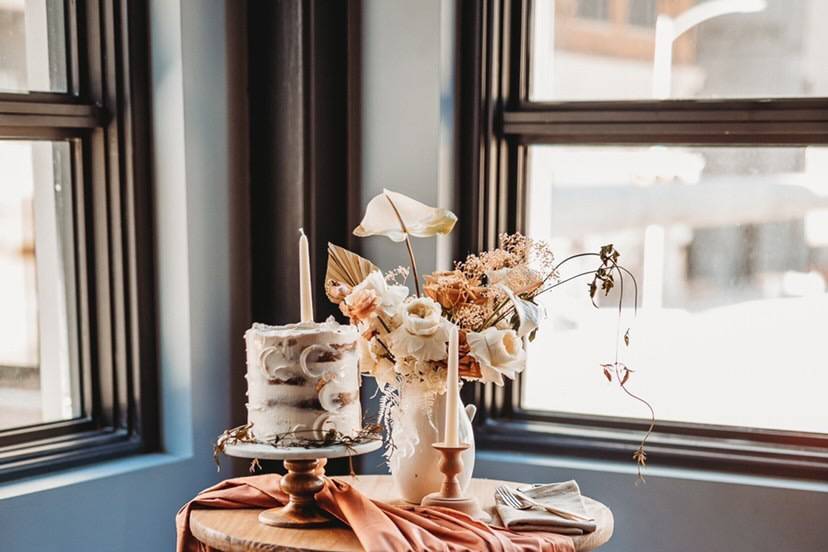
point(104, 118)
point(502, 123)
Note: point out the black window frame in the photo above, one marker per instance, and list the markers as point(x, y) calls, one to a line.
point(498, 123)
point(104, 117)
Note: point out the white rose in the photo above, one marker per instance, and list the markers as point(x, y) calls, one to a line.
point(390, 297)
point(499, 352)
point(422, 333)
point(422, 316)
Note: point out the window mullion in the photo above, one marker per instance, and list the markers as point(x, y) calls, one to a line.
point(57, 115)
point(689, 122)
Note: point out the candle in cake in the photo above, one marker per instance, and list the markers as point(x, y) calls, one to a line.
point(305, 298)
point(452, 390)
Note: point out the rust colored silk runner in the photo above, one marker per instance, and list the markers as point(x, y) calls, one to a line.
point(378, 526)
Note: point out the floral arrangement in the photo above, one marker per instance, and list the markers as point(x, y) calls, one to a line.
point(490, 296)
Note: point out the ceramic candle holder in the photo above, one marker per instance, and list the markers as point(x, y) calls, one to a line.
point(451, 494)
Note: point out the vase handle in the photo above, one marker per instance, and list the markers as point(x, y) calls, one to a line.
point(471, 410)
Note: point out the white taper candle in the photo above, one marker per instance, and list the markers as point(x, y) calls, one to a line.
point(305, 296)
point(452, 389)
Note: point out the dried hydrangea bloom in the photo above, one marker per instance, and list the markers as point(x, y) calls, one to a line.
point(471, 316)
point(451, 289)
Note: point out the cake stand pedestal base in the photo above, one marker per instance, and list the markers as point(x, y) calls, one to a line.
point(301, 483)
point(304, 478)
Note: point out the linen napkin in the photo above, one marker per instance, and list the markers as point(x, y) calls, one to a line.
point(566, 496)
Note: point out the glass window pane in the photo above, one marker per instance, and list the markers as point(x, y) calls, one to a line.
point(32, 46)
point(730, 248)
point(38, 379)
point(643, 49)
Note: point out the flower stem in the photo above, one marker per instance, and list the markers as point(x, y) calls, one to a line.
point(408, 246)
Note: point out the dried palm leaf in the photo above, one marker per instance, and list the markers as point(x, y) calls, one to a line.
point(345, 267)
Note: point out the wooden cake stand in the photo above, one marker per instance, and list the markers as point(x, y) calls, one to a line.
point(304, 478)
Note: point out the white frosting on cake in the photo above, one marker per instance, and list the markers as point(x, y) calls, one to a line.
point(302, 378)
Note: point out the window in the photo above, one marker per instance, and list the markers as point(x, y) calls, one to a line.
point(76, 347)
point(693, 136)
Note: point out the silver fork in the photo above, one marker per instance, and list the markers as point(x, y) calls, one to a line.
point(509, 499)
point(520, 501)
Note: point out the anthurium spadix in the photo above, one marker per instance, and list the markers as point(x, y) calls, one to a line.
point(394, 215)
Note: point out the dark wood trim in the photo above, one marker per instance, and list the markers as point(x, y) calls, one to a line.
point(499, 123)
point(656, 109)
point(36, 432)
point(491, 170)
point(87, 112)
point(73, 450)
point(354, 122)
point(142, 403)
point(596, 442)
point(49, 115)
point(766, 133)
point(784, 121)
point(303, 170)
point(41, 97)
point(40, 133)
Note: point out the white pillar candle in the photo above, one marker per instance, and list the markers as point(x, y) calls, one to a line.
point(305, 297)
point(452, 390)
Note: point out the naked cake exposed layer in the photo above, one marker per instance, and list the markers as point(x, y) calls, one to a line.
point(302, 379)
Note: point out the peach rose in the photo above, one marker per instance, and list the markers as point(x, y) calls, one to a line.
point(361, 304)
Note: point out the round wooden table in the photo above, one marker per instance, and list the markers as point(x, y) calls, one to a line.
point(240, 530)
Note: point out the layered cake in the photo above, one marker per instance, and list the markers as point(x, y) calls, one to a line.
point(302, 381)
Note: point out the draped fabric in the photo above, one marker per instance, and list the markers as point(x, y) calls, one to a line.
point(379, 527)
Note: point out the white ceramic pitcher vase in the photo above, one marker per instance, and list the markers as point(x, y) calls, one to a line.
point(414, 461)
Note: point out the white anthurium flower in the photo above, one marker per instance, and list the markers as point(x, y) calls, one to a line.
point(499, 353)
point(390, 296)
point(529, 314)
point(420, 220)
point(422, 333)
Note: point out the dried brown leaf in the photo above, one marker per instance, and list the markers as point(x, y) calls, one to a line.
point(625, 377)
point(345, 267)
point(607, 372)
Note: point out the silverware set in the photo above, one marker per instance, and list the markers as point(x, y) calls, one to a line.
point(520, 501)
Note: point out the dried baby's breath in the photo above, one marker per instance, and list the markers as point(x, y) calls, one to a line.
point(397, 276)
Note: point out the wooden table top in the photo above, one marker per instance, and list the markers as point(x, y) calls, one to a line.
point(240, 530)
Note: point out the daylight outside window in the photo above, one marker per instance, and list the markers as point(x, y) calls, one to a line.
point(731, 249)
point(39, 380)
point(730, 244)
